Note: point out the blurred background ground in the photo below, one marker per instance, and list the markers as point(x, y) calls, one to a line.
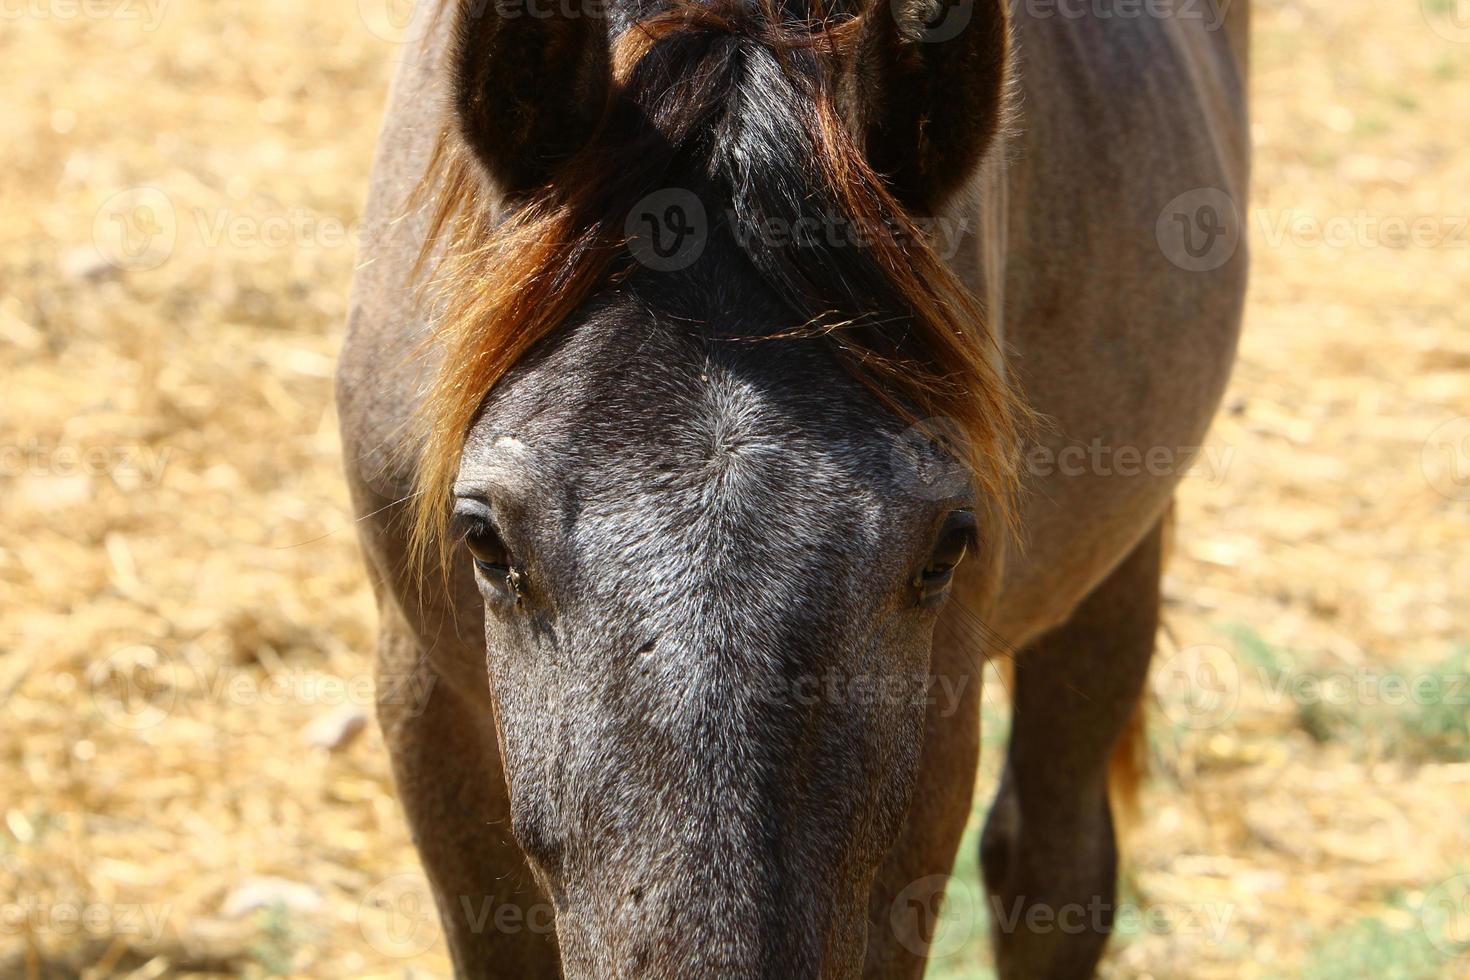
point(184, 626)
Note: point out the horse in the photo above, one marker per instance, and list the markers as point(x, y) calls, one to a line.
point(726, 382)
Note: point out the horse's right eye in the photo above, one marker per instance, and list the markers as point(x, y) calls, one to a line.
point(474, 524)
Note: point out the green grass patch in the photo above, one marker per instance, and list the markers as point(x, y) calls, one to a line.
point(1372, 949)
point(275, 949)
point(1438, 728)
point(1415, 712)
point(1255, 650)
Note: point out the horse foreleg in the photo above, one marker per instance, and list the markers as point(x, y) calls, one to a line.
point(1048, 851)
point(446, 766)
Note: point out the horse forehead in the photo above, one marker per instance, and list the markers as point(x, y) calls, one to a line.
point(690, 451)
point(725, 451)
point(636, 434)
point(743, 526)
point(628, 392)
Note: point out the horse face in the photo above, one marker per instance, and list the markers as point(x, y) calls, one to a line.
point(710, 582)
point(711, 564)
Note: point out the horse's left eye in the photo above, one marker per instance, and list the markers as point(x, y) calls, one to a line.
point(954, 543)
point(951, 552)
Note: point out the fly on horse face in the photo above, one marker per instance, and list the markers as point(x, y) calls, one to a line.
point(725, 383)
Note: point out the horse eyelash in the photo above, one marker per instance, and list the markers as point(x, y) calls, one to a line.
point(465, 527)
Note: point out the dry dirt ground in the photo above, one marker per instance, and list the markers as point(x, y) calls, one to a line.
point(180, 595)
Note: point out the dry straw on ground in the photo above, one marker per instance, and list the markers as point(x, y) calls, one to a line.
point(184, 627)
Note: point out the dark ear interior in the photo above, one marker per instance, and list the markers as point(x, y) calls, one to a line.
point(530, 84)
point(922, 86)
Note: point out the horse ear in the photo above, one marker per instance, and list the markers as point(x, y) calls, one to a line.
point(529, 86)
point(922, 87)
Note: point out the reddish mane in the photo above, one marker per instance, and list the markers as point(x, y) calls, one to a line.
point(501, 288)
